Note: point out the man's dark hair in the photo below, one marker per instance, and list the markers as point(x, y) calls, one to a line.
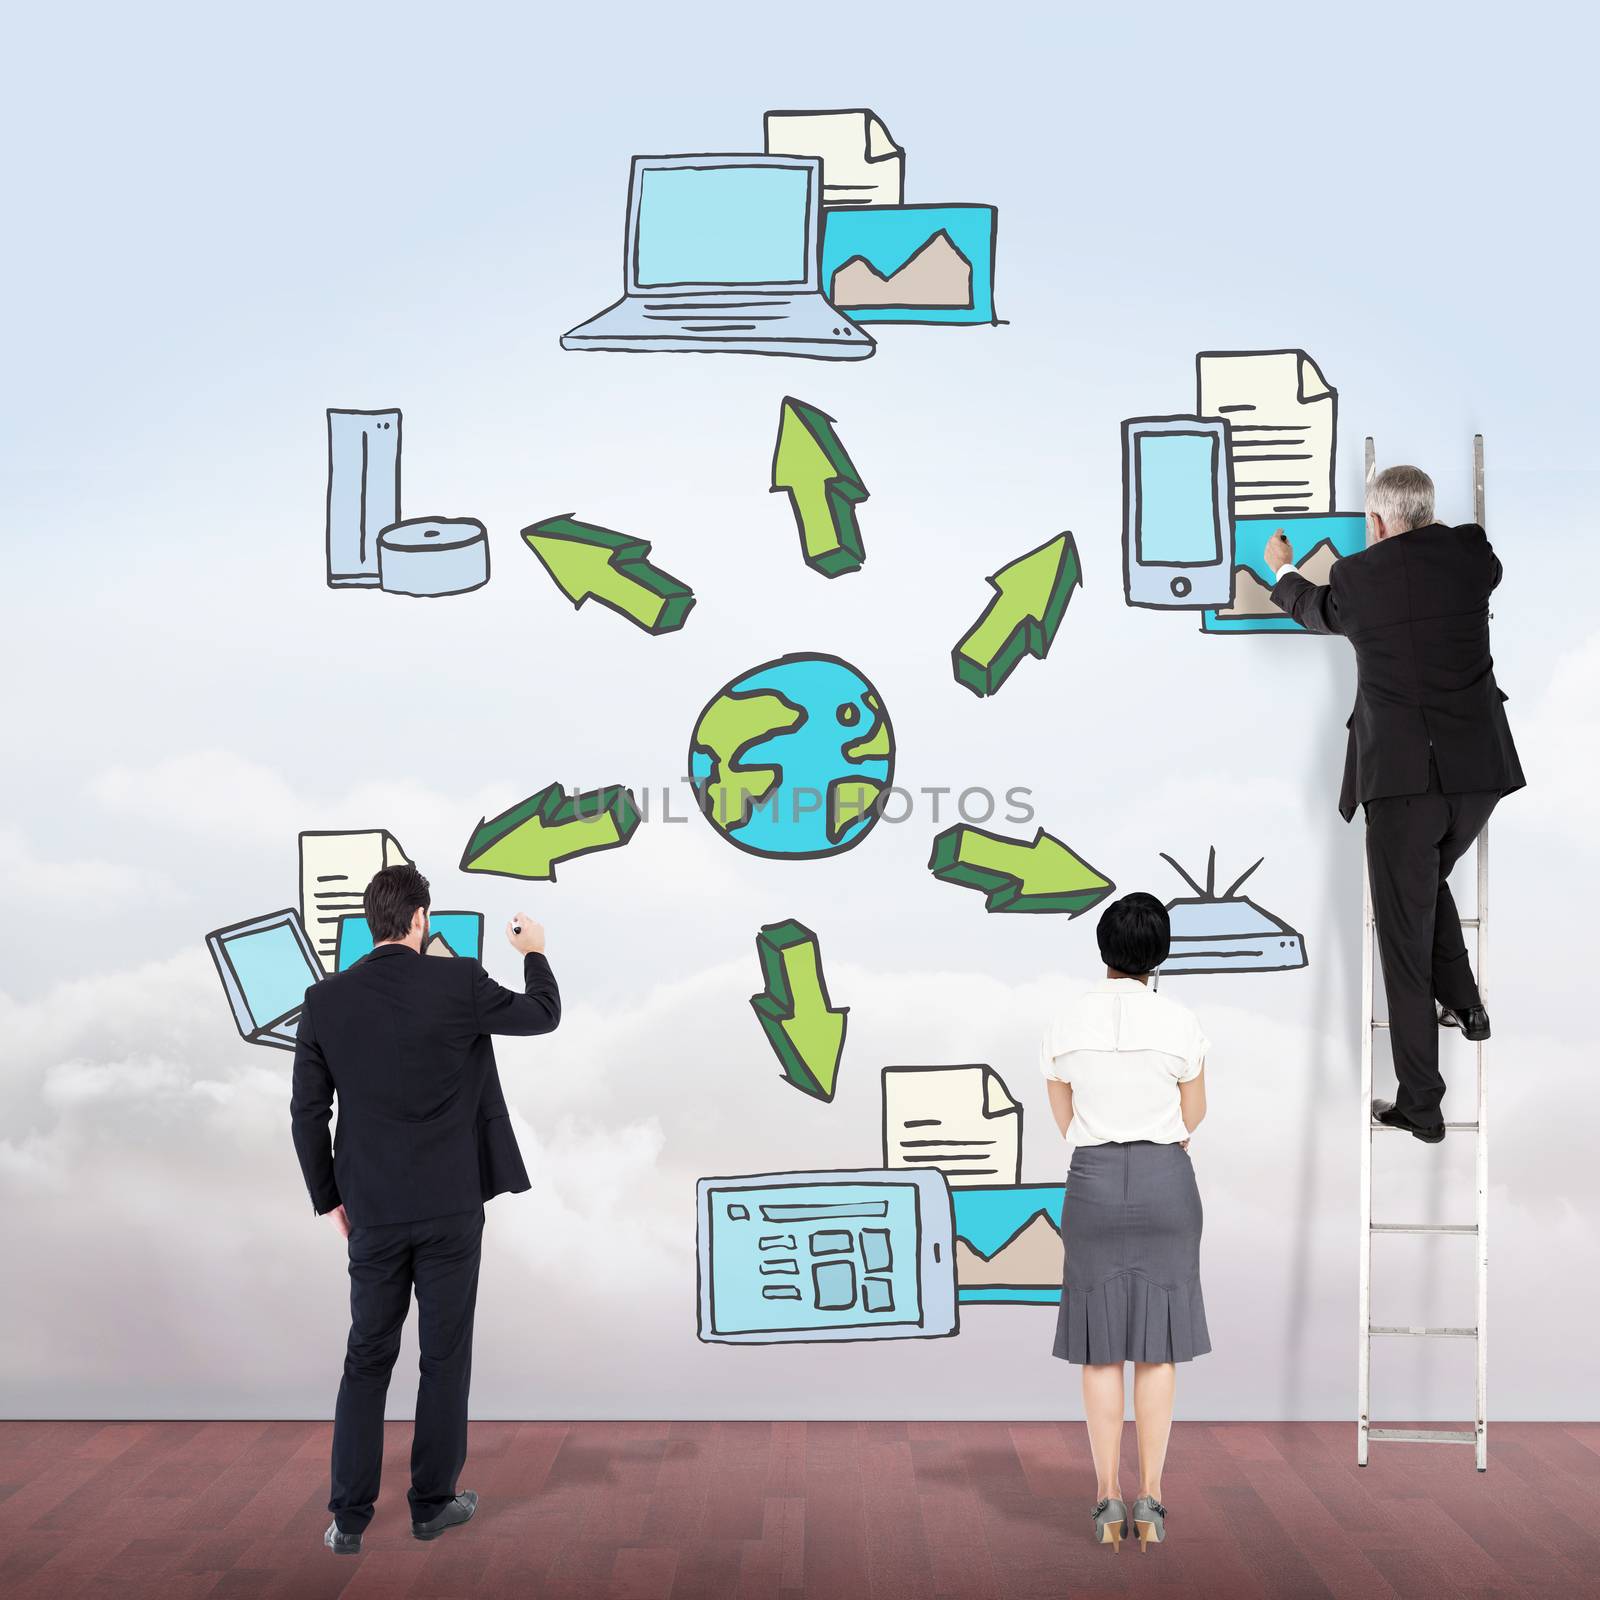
point(391, 901)
point(1135, 934)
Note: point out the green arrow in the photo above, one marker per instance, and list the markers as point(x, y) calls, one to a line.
point(587, 561)
point(528, 840)
point(1031, 595)
point(1017, 874)
point(806, 1032)
point(823, 487)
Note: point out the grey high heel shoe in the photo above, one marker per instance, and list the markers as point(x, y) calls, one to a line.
point(1149, 1521)
point(1110, 1522)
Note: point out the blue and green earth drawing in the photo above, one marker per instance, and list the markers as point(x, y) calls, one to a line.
point(793, 758)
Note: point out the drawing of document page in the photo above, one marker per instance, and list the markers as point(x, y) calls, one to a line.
point(335, 869)
point(961, 1121)
point(1282, 418)
point(861, 164)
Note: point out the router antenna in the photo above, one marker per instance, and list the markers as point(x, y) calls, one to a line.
point(1211, 874)
point(1233, 887)
point(1182, 874)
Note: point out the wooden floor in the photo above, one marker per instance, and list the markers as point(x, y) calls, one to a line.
point(780, 1511)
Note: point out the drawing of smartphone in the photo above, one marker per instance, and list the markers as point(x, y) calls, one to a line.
point(1177, 516)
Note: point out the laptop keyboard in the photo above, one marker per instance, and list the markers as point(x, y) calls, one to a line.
point(723, 316)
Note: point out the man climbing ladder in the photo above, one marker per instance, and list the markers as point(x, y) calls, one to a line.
point(1428, 756)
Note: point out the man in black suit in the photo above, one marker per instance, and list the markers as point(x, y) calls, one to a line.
point(1429, 754)
point(424, 1138)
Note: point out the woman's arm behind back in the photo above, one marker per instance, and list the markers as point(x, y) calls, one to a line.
point(1192, 1099)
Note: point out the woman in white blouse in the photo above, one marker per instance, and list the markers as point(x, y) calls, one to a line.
point(1125, 1069)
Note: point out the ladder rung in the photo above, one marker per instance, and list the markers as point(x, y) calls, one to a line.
point(1424, 1227)
point(1470, 922)
point(1424, 1333)
point(1389, 1127)
point(1425, 1435)
point(1378, 1022)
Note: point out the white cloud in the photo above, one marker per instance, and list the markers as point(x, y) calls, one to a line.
point(170, 1264)
point(34, 881)
point(1560, 748)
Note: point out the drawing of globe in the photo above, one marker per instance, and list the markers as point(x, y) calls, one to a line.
point(793, 758)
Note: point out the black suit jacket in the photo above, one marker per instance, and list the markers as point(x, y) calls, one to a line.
point(1416, 608)
point(403, 1040)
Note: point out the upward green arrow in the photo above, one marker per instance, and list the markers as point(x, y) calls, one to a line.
point(805, 1031)
point(824, 488)
point(1040, 874)
point(549, 827)
point(592, 562)
point(1030, 599)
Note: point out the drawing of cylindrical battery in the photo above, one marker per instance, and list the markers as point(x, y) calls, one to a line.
point(1177, 516)
point(363, 492)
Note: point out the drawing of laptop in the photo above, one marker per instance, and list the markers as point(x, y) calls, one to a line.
point(724, 255)
point(266, 966)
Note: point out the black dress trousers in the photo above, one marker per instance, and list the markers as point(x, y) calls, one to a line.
point(1413, 840)
point(439, 1259)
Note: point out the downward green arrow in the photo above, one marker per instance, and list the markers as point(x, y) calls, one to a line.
point(806, 1032)
point(1041, 874)
point(1031, 595)
point(824, 488)
point(552, 826)
point(587, 561)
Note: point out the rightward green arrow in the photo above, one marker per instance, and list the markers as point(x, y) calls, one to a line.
point(1031, 595)
point(1040, 874)
point(549, 827)
point(590, 562)
point(805, 1031)
point(824, 488)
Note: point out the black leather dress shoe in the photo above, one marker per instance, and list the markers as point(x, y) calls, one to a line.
point(454, 1514)
point(1473, 1022)
point(342, 1544)
point(1384, 1111)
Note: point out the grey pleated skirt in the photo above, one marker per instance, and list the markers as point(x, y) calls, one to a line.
point(1131, 1289)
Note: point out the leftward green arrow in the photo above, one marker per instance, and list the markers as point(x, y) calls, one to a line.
point(823, 486)
point(805, 1031)
point(592, 562)
point(1030, 599)
point(1040, 874)
point(549, 827)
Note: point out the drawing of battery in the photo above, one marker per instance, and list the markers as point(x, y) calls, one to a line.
point(808, 1257)
point(1177, 517)
point(363, 493)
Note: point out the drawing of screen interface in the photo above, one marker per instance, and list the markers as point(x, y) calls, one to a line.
point(1179, 512)
point(722, 225)
point(266, 968)
point(814, 1256)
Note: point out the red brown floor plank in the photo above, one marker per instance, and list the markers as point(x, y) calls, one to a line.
point(800, 1511)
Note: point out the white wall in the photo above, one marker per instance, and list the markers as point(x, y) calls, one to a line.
point(229, 232)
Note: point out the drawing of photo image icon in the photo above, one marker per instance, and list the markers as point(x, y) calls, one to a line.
point(724, 255)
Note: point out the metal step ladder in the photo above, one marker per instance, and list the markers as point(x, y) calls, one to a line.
point(1477, 1436)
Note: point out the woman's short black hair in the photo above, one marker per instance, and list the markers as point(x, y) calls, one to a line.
point(1135, 934)
point(392, 899)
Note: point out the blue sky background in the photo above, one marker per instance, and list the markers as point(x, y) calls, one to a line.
point(224, 223)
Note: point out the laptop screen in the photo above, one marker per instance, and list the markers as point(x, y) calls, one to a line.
point(736, 224)
point(272, 969)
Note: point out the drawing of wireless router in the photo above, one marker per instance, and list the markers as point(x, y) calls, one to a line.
point(1227, 932)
